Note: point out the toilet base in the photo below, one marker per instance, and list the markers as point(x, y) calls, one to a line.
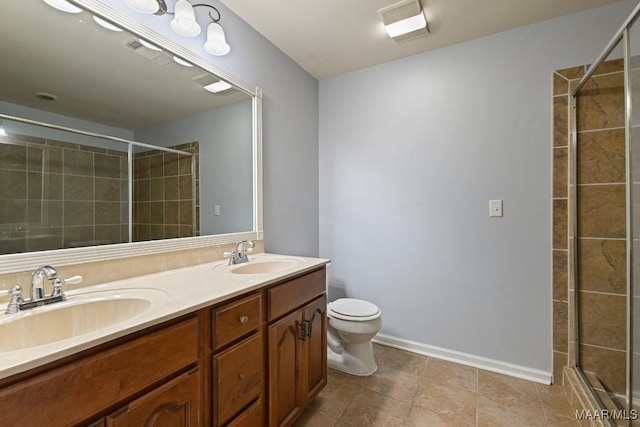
point(362, 365)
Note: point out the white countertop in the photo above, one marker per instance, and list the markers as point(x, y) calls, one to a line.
point(177, 292)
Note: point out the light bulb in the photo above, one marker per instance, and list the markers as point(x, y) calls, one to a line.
point(216, 43)
point(106, 25)
point(184, 22)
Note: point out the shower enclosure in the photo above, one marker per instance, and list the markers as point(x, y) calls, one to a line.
point(66, 188)
point(596, 245)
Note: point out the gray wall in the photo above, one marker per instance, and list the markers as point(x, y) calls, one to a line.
point(226, 165)
point(290, 126)
point(412, 151)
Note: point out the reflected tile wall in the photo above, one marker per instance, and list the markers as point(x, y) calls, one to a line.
point(601, 209)
point(163, 206)
point(60, 195)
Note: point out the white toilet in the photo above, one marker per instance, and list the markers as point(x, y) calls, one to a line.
point(352, 325)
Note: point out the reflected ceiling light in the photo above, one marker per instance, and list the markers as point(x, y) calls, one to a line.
point(218, 86)
point(404, 20)
point(184, 22)
point(63, 5)
point(2, 131)
point(182, 62)
point(148, 45)
point(105, 24)
point(144, 6)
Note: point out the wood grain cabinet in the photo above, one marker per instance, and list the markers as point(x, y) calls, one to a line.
point(238, 362)
point(297, 340)
point(255, 360)
point(174, 404)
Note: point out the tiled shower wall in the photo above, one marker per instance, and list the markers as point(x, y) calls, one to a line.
point(60, 195)
point(163, 206)
point(601, 225)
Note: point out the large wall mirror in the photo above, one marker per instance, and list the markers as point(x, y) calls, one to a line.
point(117, 142)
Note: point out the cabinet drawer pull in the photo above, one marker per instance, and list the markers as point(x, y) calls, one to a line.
point(241, 376)
point(243, 319)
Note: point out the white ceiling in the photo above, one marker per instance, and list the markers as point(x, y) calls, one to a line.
point(332, 37)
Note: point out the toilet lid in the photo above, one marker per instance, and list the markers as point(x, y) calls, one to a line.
point(355, 309)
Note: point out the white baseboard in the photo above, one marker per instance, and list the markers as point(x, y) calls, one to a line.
point(530, 374)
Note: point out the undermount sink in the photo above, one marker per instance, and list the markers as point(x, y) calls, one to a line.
point(81, 314)
point(263, 267)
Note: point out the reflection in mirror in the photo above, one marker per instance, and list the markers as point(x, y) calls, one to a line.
point(63, 190)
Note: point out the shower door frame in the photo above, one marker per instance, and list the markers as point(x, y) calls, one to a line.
point(621, 36)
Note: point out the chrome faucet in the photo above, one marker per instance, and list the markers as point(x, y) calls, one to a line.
point(37, 281)
point(38, 296)
point(240, 254)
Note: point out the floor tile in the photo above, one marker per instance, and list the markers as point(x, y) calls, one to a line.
point(369, 409)
point(441, 372)
point(497, 412)
point(452, 402)
point(393, 383)
point(414, 391)
point(401, 360)
point(509, 389)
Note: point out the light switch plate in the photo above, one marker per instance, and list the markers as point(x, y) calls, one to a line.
point(495, 207)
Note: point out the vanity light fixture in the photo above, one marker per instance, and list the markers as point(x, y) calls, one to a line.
point(63, 5)
point(404, 20)
point(184, 21)
point(219, 86)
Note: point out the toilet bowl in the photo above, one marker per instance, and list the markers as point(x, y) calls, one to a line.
point(352, 325)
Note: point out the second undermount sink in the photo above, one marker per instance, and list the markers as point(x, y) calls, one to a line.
point(266, 266)
point(81, 314)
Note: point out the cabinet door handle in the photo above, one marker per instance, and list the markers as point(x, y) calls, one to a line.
point(243, 319)
point(241, 376)
point(302, 330)
point(309, 328)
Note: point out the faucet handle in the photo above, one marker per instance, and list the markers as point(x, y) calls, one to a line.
point(16, 299)
point(57, 284)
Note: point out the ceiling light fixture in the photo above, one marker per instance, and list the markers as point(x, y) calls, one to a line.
point(106, 25)
point(3, 132)
point(182, 62)
point(218, 86)
point(404, 20)
point(148, 45)
point(184, 22)
point(63, 5)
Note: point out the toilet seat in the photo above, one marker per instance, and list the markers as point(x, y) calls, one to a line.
point(352, 309)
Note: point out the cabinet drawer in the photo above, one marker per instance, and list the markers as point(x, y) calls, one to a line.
point(237, 377)
point(294, 293)
point(238, 318)
point(100, 379)
point(251, 417)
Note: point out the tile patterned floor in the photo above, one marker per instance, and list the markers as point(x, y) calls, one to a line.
point(413, 390)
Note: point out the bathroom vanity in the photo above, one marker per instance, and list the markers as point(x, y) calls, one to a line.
point(222, 348)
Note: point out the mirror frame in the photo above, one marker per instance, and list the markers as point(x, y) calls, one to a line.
point(12, 263)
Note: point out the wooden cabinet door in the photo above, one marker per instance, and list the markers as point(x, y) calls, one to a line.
point(314, 376)
point(174, 404)
point(285, 401)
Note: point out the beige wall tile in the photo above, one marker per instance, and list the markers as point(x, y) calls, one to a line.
point(560, 172)
point(601, 211)
point(560, 275)
point(601, 157)
point(560, 224)
point(573, 72)
point(560, 326)
point(602, 265)
point(602, 319)
point(610, 366)
point(560, 84)
point(560, 121)
point(601, 103)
